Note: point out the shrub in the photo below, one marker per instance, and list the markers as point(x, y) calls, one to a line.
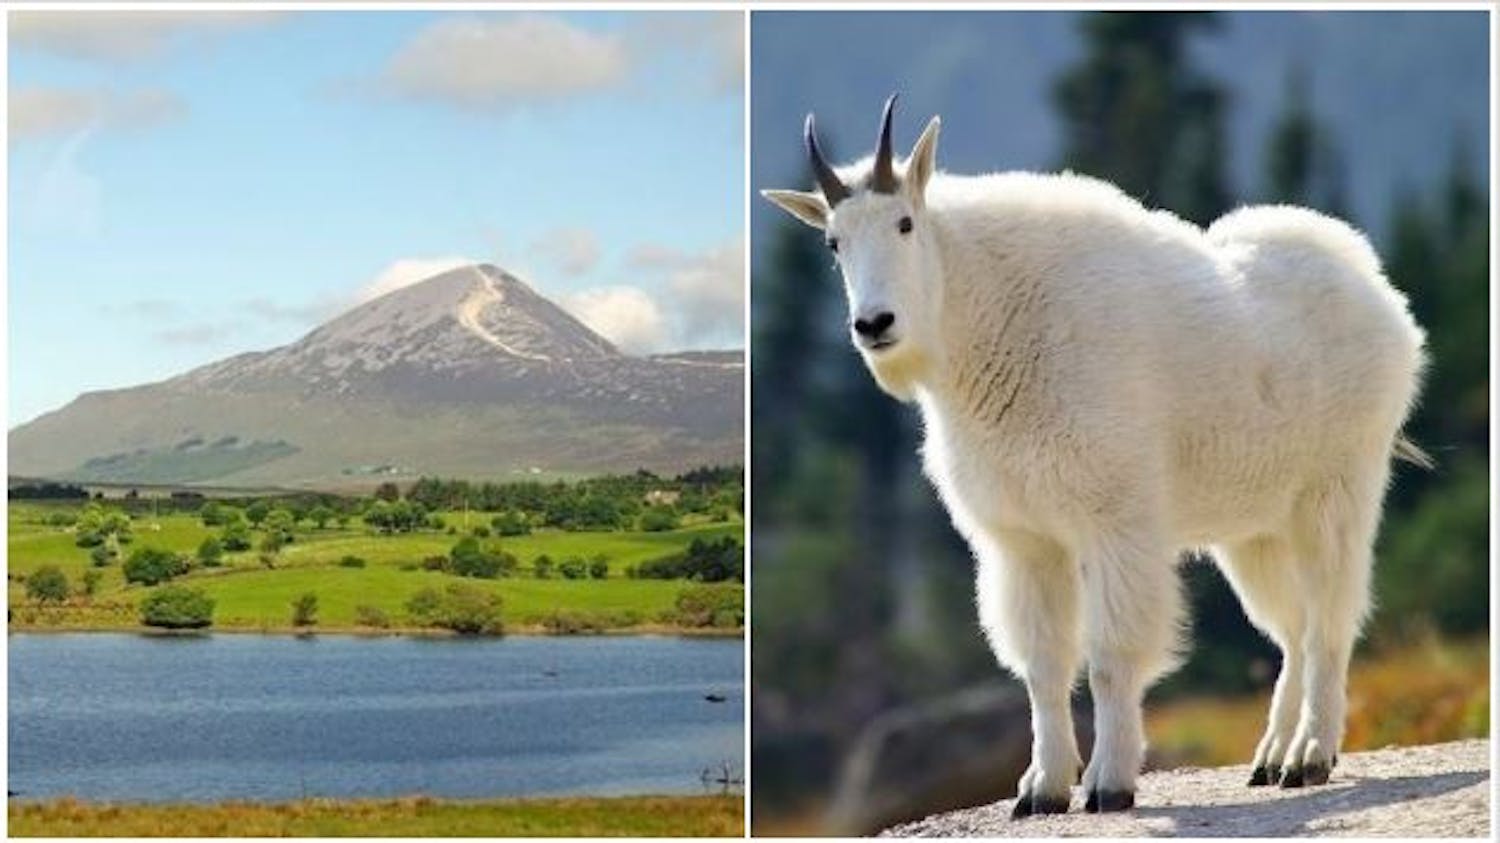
point(599, 567)
point(711, 605)
point(47, 584)
point(573, 622)
point(469, 558)
point(236, 536)
point(573, 568)
point(705, 561)
point(305, 610)
point(659, 519)
point(152, 565)
point(510, 524)
point(102, 555)
point(177, 607)
point(481, 532)
point(541, 567)
point(351, 562)
point(435, 563)
point(372, 616)
point(464, 609)
point(91, 579)
point(211, 553)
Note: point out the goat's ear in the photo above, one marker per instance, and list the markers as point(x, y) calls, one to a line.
point(811, 208)
point(923, 161)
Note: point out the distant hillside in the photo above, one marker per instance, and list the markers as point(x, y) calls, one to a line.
point(470, 374)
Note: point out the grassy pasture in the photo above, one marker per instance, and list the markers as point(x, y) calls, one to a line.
point(635, 816)
point(250, 596)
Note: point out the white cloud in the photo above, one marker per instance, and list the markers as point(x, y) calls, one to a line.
point(573, 251)
point(405, 272)
point(707, 288)
point(719, 36)
point(121, 36)
point(626, 316)
point(204, 333)
point(38, 112)
point(490, 63)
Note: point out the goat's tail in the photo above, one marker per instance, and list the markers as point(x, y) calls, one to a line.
point(1408, 451)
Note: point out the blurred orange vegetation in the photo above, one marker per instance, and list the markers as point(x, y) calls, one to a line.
point(1426, 692)
point(646, 816)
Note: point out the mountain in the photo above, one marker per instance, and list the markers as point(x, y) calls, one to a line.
point(470, 373)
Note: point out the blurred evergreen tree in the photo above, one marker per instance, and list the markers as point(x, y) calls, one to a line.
point(1303, 165)
point(1136, 112)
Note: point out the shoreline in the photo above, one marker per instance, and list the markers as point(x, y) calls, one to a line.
point(412, 816)
point(526, 631)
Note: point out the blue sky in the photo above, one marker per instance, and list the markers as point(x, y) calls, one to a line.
point(186, 186)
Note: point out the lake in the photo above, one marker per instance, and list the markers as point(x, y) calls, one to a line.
point(213, 717)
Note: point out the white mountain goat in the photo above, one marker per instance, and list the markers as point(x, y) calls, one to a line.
point(1105, 386)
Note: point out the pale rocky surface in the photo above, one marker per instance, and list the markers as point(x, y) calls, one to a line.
point(1441, 790)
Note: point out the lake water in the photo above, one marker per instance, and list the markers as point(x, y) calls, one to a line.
point(148, 718)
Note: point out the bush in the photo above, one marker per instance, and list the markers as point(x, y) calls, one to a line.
point(659, 519)
point(48, 584)
point(599, 567)
point(351, 562)
point(469, 558)
point(435, 563)
point(711, 606)
point(102, 555)
point(573, 622)
point(541, 567)
point(481, 532)
point(177, 607)
point(91, 579)
point(573, 568)
point(211, 553)
point(236, 536)
point(462, 608)
point(305, 610)
point(510, 524)
point(705, 561)
point(152, 565)
point(372, 616)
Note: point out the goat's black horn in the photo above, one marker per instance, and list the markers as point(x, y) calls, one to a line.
point(834, 190)
point(883, 179)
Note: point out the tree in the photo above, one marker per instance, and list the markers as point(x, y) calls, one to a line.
point(599, 567)
point(1136, 112)
point(573, 568)
point(211, 553)
point(282, 524)
point(510, 523)
point(47, 584)
point(388, 492)
point(236, 536)
point(320, 515)
point(177, 607)
point(103, 554)
point(152, 565)
point(215, 514)
point(256, 512)
point(305, 610)
point(1303, 166)
point(659, 519)
point(462, 608)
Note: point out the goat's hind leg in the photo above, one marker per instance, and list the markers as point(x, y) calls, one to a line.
point(1334, 537)
point(1028, 607)
point(1261, 571)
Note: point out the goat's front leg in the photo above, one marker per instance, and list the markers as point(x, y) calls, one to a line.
point(1028, 606)
point(1131, 605)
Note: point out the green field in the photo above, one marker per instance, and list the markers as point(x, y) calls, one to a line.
point(635, 816)
point(250, 596)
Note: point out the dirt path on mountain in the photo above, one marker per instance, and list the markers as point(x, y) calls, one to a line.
point(1428, 791)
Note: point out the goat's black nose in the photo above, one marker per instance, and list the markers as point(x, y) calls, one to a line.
point(876, 325)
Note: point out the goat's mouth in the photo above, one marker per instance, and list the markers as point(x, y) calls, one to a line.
point(882, 344)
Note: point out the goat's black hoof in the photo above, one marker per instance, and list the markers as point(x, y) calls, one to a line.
point(1260, 776)
point(1028, 804)
point(1105, 801)
point(1315, 774)
point(1292, 777)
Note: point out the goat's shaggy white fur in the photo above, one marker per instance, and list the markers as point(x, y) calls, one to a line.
point(1103, 387)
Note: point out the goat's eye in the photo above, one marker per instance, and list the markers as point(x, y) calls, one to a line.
point(833, 244)
point(904, 225)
